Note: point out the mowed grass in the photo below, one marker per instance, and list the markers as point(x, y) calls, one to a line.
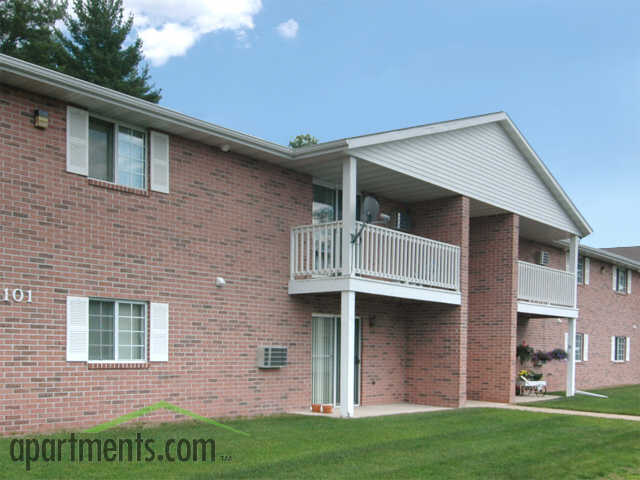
point(622, 400)
point(456, 444)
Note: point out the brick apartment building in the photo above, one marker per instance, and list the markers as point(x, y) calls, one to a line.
point(148, 256)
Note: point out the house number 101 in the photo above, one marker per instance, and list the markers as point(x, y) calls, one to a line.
point(18, 295)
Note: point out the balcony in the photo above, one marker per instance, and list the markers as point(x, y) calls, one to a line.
point(390, 259)
point(543, 289)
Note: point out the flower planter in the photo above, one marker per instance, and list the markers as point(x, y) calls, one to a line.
point(327, 409)
point(316, 407)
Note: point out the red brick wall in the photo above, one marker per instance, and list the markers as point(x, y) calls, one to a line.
point(437, 333)
point(226, 215)
point(384, 343)
point(603, 313)
point(528, 252)
point(492, 308)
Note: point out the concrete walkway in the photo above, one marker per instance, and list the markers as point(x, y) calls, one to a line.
point(507, 406)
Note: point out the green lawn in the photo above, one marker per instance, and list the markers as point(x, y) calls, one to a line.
point(623, 400)
point(457, 444)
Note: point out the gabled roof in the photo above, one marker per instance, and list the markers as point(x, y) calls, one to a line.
point(120, 106)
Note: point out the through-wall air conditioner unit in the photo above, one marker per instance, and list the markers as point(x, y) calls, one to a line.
point(272, 357)
point(543, 258)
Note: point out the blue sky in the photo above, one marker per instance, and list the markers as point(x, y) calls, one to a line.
point(568, 74)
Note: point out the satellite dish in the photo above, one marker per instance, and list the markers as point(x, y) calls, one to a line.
point(371, 209)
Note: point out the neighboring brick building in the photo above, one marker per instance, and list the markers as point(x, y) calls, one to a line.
point(608, 309)
point(148, 256)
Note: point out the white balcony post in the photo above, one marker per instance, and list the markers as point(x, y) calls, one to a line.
point(347, 352)
point(572, 267)
point(571, 351)
point(349, 172)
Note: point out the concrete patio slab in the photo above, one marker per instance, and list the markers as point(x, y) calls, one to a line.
point(377, 410)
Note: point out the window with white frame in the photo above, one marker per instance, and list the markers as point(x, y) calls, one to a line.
point(579, 347)
point(117, 153)
point(117, 330)
point(620, 348)
point(581, 270)
point(621, 280)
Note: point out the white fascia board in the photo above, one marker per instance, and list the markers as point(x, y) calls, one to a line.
point(608, 257)
point(547, 310)
point(374, 287)
point(110, 97)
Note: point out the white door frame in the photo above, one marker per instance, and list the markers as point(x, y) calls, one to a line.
point(336, 365)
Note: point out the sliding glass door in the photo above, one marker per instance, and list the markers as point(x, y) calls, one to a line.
point(325, 362)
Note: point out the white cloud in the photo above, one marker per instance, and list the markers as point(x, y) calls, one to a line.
point(169, 28)
point(288, 29)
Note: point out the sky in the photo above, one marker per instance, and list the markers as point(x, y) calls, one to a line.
point(567, 73)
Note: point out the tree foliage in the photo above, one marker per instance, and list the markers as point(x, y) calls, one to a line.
point(27, 30)
point(94, 49)
point(303, 140)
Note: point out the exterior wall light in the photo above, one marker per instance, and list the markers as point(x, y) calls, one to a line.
point(41, 119)
point(225, 147)
point(220, 282)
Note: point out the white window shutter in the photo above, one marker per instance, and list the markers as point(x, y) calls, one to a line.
point(566, 342)
point(613, 349)
point(629, 275)
point(159, 145)
point(77, 141)
point(628, 353)
point(159, 339)
point(585, 347)
point(615, 272)
point(77, 329)
point(587, 268)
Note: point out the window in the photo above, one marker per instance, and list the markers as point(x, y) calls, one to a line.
point(579, 347)
point(620, 347)
point(117, 153)
point(621, 280)
point(327, 204)
point(117, 331)
point(581, 270)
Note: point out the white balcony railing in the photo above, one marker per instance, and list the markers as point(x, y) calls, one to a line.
point(546, 285)
point(316, 250)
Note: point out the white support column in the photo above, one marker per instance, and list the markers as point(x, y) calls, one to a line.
point(349, 193)
point(347, 351)
point(572, 265)
point(571, 351)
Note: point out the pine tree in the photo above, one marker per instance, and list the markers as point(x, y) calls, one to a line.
point(27, 30)
point(94, 49)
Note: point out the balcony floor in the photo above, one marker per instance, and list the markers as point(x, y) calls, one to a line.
point(374, 287)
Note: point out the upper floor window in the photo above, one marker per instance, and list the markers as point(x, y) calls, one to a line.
point(327, 204)
point(581, 270)
point(117, 153)
point(621, 280)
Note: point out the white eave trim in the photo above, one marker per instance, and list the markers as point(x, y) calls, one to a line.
point(547, 310)
point(374, 287)
point(81, 87)
point(605, 256)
